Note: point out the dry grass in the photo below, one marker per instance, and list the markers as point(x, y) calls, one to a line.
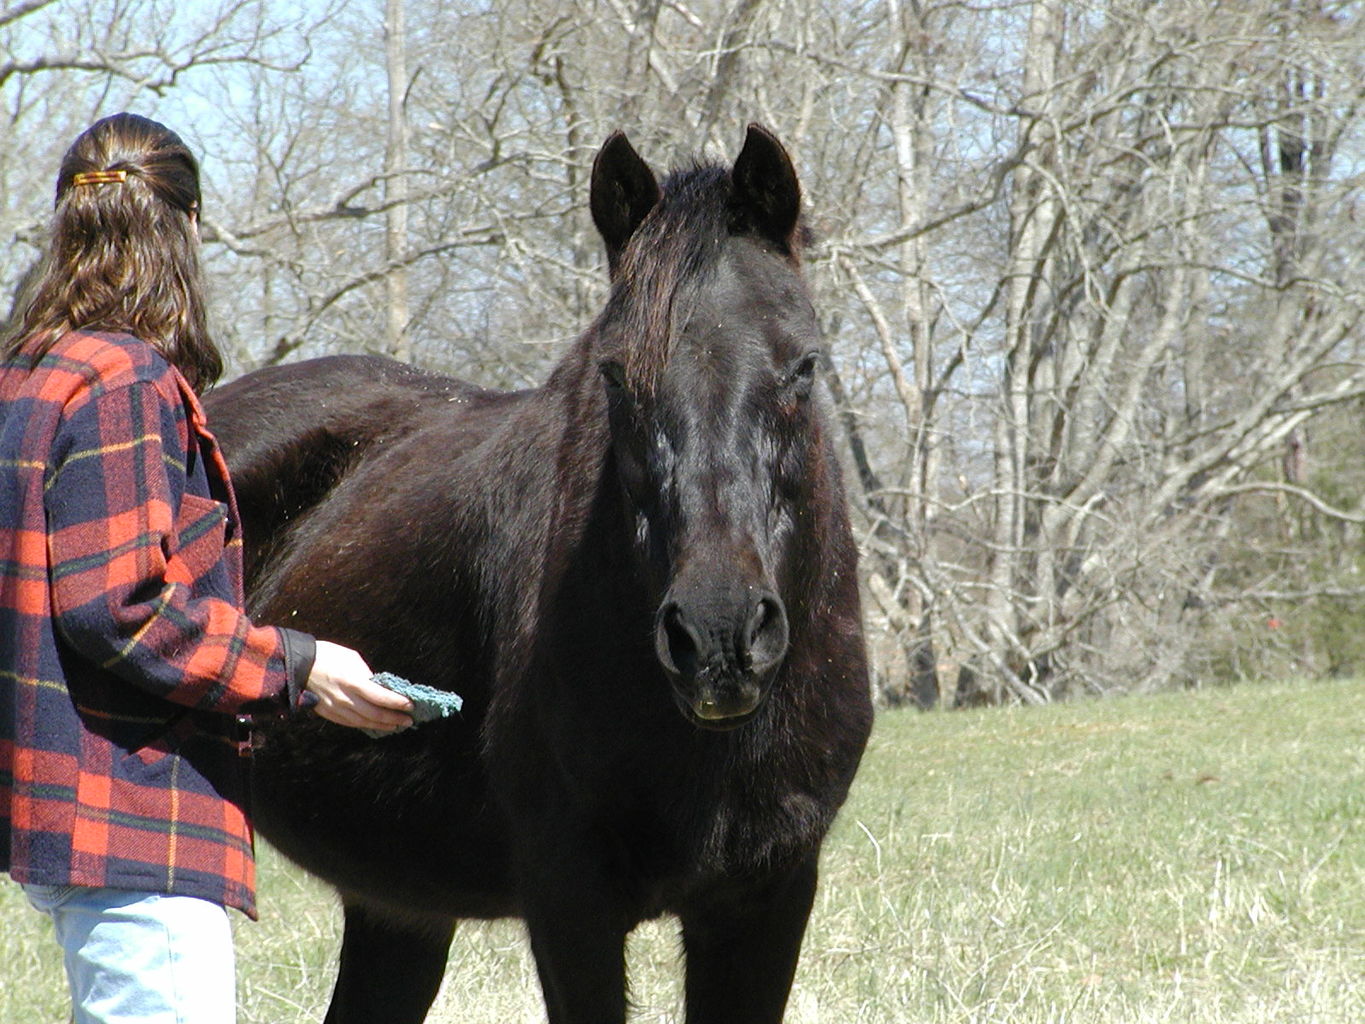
point(1195, 858)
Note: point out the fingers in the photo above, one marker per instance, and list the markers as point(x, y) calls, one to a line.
point(383, 697)
point(346, 694)
point(359, 707)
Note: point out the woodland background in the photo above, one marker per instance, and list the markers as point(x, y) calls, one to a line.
point(1091, 273)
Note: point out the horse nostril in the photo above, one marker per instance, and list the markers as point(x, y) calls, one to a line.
point(765, 639)
point(678, 644)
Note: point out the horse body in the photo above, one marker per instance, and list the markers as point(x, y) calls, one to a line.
point(641, 579)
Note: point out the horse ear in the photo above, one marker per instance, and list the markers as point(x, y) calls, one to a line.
point(623, 192)
point(766, 189)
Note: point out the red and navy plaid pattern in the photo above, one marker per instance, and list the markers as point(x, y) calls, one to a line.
point(125, 658)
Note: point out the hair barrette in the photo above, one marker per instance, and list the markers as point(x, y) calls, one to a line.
point(98, 177)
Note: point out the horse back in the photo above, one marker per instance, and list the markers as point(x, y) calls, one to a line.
point(290, 433)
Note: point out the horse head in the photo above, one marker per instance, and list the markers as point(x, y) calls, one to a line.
point(708, 350)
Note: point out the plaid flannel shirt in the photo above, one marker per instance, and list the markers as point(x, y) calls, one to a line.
point(125, 656)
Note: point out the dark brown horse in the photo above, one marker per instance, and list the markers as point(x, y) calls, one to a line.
point(640, 577)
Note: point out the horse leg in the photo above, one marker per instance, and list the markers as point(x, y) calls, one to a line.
point(579, 946)
point(390, 971)
point(742, 950)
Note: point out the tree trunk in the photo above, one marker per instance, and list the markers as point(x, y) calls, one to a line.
point(399, 342)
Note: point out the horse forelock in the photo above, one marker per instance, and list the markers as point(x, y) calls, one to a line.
point(670, 255)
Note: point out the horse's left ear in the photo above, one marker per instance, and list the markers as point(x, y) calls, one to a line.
point(766, 190)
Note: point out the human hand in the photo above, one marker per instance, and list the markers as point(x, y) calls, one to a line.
point(346, 695)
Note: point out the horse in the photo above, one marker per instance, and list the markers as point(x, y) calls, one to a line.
point(640, 577)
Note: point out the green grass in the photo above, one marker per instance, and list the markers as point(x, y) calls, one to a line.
point(1195, 858)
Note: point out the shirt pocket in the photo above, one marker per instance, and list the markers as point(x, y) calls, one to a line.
point(200, 538)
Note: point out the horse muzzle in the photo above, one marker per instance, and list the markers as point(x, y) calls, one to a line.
point(720, 655)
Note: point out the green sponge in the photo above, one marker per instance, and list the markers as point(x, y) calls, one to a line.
point(428, 703)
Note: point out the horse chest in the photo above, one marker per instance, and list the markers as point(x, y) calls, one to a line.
point(693, 818)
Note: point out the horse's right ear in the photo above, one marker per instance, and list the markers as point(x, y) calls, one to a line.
point(623, 192)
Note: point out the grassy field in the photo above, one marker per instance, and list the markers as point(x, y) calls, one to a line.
point(1194, 858)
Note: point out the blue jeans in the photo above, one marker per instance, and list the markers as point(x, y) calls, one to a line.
point(144, 957)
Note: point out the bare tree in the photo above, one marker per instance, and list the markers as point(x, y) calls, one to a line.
point(1087, 270)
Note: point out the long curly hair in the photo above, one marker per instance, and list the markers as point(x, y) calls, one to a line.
point(124, 249)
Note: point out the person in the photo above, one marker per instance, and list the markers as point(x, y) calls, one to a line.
point(127, 663)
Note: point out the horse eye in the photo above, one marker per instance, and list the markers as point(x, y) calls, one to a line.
point(614, 374)
point(801, 375)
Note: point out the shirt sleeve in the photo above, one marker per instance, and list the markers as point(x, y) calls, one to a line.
point(131, 556)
